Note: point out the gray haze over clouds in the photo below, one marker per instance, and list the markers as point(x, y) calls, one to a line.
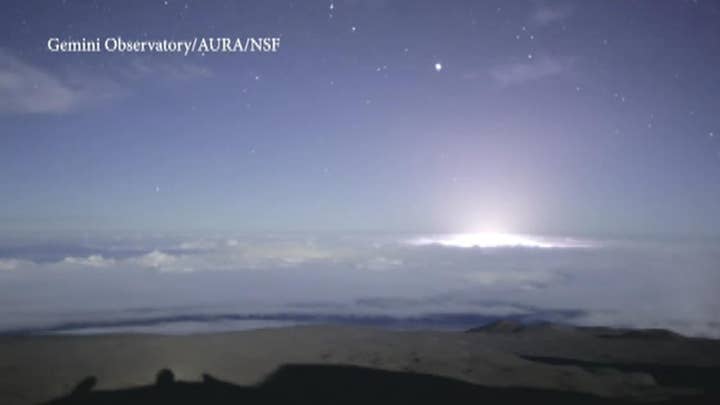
point(666, 284)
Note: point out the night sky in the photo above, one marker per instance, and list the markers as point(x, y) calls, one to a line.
point(525, 116)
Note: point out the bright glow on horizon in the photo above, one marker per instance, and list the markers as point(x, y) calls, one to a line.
point(494, 240)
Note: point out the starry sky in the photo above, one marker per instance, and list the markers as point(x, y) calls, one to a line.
point(557, 117)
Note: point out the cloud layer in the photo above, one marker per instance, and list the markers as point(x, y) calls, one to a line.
point(612, 283)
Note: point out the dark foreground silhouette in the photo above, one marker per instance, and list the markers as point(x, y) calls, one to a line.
point(322, 384)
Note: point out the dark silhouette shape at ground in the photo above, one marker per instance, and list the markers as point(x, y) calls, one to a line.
point(323, 384)
point(165, 378)
point(85, 386)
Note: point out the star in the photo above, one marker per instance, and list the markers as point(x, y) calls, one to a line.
point(438, 66)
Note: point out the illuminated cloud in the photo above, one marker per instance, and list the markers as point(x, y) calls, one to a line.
point(160, 261)
point(95, 261)
point(521, 73)
point(381, 264)
point(497, 240)
point(13, 264)
point(546, 14)
point(25, 88)
point(610, 282)
point(516, 278)
point(143, 68)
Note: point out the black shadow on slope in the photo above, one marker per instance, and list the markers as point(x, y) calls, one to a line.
point(704, 379)
point(323, 384)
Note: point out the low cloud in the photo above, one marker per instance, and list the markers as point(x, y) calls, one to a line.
point(517, 278)
point(610, 283)
point(94, 261)
point(13, 264)
point(380, 264)
point(158, 260)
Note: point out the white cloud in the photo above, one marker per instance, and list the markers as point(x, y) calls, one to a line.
point(545, 15)
point(526, 279)
point(12, 264)
point(615, 283)
point(381, 264)
point(520, 73)
point(202, 244)
point(286, 253)
point(160, 261)
point(95, 261)
point(140, 68)
point(25, 88)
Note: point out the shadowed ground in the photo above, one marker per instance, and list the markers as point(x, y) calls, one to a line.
point(500, 363)
point(317, 384)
